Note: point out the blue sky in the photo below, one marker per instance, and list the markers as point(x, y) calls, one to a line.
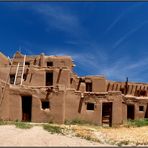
point(103, 38)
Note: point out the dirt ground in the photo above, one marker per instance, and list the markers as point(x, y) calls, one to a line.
point(37, 136)
point(107, 137)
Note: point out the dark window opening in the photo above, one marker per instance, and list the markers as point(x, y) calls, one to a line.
point(26, 108)
point(27, 63)
point(140, 93)
point(12, 77)
point(71, 79)
point(45, 104)
point(143, 93)
point(90, 106)
point(141, 108)
point(49, 79)
point(24, 77)
point(89, 87)
point(49, 63)
point(122, 90)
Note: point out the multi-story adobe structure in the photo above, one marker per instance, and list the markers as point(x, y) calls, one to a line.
point(44, 88)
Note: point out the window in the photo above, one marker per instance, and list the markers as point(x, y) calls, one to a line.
point(90, 106)
point(45, 104)
point(12, 77)
point(71, 79)
point(141, 108)
point(122, 90)
point(140, 93)
point(27, 63)
point(24, 77)
point(89, 87)
point(49, 63)
point(143, 93)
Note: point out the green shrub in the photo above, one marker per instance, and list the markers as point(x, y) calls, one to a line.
point(53, 129)
point(23, 125)
point(124, 142)
point(78, 121)
point(138, 123)
point(2, 122)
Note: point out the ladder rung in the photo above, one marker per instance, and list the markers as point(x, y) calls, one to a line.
point(20, 72)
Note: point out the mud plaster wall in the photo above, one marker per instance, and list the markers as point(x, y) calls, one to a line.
point(64, 77)
point(124, 112)
point(4, 107)
point(72, 101)
point(58, 61)
point(140, 114)
point(55, 113)
point(99, 84)
point(4, 72)
point(38, 77)
point(116, 108)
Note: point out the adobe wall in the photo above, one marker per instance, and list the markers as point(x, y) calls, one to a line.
point(117, 111)
point(4, 73)
point(54, 114)
point(137, 102)
point(4, 61)
point(98, 83)
point(4, 103)
point(59, 61)
point(37, 77)
point(75, 109)
point(132, 87)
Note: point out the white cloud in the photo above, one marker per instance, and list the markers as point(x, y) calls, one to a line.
point(58, 17)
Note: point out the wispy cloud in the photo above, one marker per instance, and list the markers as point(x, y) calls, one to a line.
point(120, 16)
point(58, 17)
point(125, 67)
point(129, 33)
point(117, 69)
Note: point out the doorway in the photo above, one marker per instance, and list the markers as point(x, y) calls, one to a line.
point(130, 111)
point(107, 113)
point(26, 108)
point(146, 112)
point(49, 78)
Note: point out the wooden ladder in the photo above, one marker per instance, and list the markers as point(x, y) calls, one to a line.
point(20, 72)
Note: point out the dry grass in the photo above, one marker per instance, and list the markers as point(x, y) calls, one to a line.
point(126, 136)
point(115, 136)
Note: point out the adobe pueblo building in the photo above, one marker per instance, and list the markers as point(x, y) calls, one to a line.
point(44, 88)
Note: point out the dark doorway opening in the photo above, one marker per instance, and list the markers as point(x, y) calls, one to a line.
point(89, 87)
point(49, 78)
point(26, 108)
point(130, 111)
point(146, 113)
point(107, 113)
point(12, 78)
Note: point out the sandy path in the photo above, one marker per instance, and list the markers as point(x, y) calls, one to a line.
point(37, 136)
